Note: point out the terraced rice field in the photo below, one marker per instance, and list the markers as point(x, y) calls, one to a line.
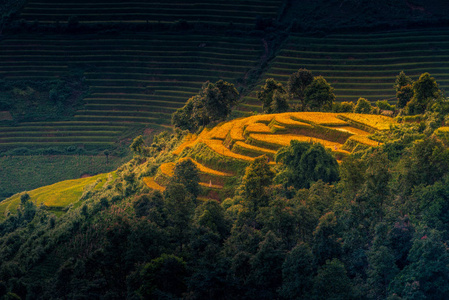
point(56, 197)
point(134, 80)
point(244, 139)
point(239, 13)
point(362, 65)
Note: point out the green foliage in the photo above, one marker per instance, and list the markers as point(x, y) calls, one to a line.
point(383, 105)
point(401, 81)
point(426, 162)
point(297, 84)
point(297, 273)
point(258, 176)
point(425, 92)
point(186, 173)
point(404, 95)
point(138, 145)
point(363, 106)
point(213, 103)
point(306, 163)
point(163, 277)
point(319, 95)
point(343, 107)
point(273, 97)
point(332, 282)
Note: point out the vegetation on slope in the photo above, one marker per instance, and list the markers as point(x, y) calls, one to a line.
point(276, 236)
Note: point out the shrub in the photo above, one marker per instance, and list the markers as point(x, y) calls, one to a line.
point(363, 106)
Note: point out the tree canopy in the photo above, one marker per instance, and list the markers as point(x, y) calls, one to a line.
point(213, 103)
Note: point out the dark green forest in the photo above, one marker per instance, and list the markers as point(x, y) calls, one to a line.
point(372, 225)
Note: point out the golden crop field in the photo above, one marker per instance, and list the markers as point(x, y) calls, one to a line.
point(257, 128)
point(58, 195)
point(377, 122)
point(243, 139)
point(149, 181)
point(319, 118)
point(205, 169)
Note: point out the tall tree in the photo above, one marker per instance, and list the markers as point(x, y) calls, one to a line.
point(258, 176)
point(297, 84)
point(427, 275)
point(212, 103)
point(306, 163)
point(332, 282)
point(401, 81)
point(186, 173)
point(319, 94)
point(425, 90)
point(267, 95)
point(297, 273)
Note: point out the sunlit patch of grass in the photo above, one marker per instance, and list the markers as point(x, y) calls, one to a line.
point(221, 131)
point(319, 118)
point(364, 140)
point(376, 122)
point(220, 149)
point(207, 170)
point(353, 130)
point(257, 128)
point(59, 195)
point(167, 169)
point(286, 120)
point(210, 185)
point(284, 140)
point(251, 150)
point(187, 143)
point(149, 181)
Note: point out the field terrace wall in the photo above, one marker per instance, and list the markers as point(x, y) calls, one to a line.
point(135, 79)
point(223, 152)
point(235, 12)
point(361, 65)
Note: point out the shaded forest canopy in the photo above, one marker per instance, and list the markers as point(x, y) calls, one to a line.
point(359, 209)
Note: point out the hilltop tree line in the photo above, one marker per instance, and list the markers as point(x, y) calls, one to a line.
point(305, 92)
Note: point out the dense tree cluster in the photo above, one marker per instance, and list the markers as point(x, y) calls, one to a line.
point(213, 103)
point(374, 227)
point(419, 96)
point(311, 93)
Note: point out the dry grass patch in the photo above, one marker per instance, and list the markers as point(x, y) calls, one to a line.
point(188, 142)
point(257, 128)
point(319, 118)
point(149, 181)
point(352, 130)
point(207, 170)
point(167, 169)
point(221, 131)
point(376, 122)
point(284, 140)
point(220, 149)
point(210, 185)
point(285, 119)
point(364, 140)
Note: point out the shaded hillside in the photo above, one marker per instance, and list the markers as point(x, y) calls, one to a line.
point(325, 16)
point(370, 232)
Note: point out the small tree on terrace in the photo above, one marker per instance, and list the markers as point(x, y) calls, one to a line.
point(425, 90)
point(213, 103)
point(306, 163)
point(297, 84)
point(319, 94)
point(404, 90)
point(270, 91)
point(363, 106)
